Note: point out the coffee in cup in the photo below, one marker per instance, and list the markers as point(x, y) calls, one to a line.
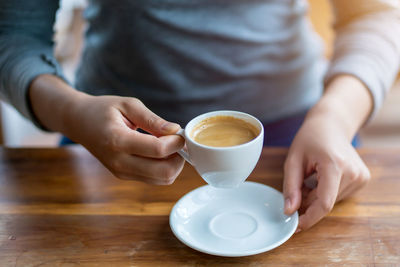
point(224, 131)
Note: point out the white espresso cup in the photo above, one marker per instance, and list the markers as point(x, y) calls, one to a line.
point(223, 167)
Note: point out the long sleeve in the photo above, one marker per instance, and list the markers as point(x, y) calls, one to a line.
point(367, 43)
point(26, 49)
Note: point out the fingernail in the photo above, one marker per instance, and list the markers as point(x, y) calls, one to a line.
point(298, 230)
point(170, 127)
point(287, 204)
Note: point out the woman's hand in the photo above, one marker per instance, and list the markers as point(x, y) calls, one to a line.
point(106, 126)
point(322, 148)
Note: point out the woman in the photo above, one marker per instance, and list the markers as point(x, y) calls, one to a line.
point(178, 59)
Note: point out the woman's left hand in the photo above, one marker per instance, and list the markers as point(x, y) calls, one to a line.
point(322, 148)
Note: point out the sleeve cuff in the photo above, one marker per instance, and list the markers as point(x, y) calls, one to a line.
point(360, 67)
point(28, 69)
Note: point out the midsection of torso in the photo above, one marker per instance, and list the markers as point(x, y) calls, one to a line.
point(183, 57)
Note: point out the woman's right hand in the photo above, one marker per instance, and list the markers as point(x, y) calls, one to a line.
point(106, 126)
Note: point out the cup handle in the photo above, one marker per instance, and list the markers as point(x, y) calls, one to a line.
point(183, 152)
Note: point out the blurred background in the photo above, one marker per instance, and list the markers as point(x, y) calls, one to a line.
point(15, 131)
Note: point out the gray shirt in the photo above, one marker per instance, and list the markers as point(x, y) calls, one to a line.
point(183, 58)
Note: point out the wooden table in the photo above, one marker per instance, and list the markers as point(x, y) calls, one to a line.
point(60, 207)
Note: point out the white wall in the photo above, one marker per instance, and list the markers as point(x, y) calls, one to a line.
point(18, 131)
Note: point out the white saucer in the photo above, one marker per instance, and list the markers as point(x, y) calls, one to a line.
point(232, 222)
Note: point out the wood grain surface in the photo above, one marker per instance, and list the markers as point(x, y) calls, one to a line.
point(60, 207)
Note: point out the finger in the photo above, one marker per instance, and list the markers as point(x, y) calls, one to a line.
point(155, 171)
point(129, 123)
point(146, 145)
point(308, 192)
point(350, 183)
point(140, 178)
point(305, 192)
point(355, 177)
point(347, 192)
point(138, 114)
point(308, 199)
point(292, 183)
point(143, 179)
point(354, 183)
point(328, 176)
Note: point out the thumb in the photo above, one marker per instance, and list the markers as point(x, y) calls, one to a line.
point(143, 118)
point(292, 183)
